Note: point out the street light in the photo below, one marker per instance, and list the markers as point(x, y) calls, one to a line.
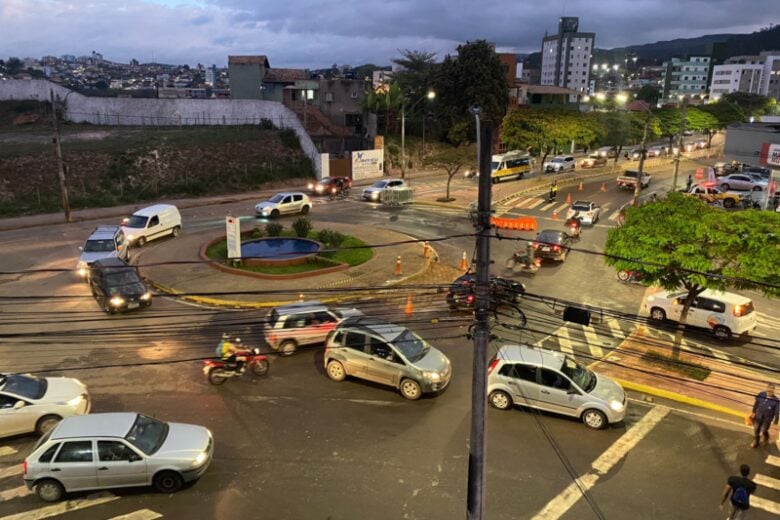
point(430, 95)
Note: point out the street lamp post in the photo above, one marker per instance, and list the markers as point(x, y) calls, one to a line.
point(430, 95)
point(683, 112)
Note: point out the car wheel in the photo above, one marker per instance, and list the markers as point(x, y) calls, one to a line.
point(46, 424)
point(410, 389)
point(756, 188)
point(728, 203)
point(176, 231)
point(336, 371)
point(594, 419)
point(141, 242)
point(500, 400)
point(288, 347)
point(722, 333)
point(305, 210)
point(725, 186)
point(168, 482)
point(49, 490)
point(657, 314)
point(275, 213)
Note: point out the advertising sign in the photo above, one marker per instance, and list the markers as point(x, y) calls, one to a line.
point(770, 155)
point(367, 164)
point(233, 235)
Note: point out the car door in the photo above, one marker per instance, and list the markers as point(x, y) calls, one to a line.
point(121, 247)
point(14, 421)
point(554, 392)
point(120, 465)
point(96, 285)
point(153, 227)
point(75, 466)
point(696, 314)
point(521, 380)
point(570, 163)
point(355, 354)
point(384, 366)
point(287, 206)
point(297, 202)
point(322, 323)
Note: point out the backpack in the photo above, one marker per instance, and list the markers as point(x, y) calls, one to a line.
point(219, 348)
point(740, 498)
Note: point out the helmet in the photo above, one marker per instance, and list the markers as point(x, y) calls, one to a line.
point(225, 335)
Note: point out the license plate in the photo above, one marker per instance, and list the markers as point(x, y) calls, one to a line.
point(545, 249)
point(133, 305)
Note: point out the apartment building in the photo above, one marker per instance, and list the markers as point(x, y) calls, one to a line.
point(686, 76)
point(566, 57)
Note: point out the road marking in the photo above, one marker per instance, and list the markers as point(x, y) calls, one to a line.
point(614, 216)
point(141, 514)
point(773, 460)
point(11, 471)
point(564, 342)
point(16, 492)
point(615, 329)
point(766, 505)
point(766, 319)
point(561, 207)
point(547, 206)
point(592, 339)
point(62, 507)
point(535, 203)
point(6, 450)
point(718, 354)
point(558, 506)
point(764, 481)
point(521, 203)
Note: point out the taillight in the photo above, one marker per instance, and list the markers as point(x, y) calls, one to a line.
point(24, 467)
point(536, 245)
point(272, 337)
point(556, 248)
point(492, 366)
point(739, 310)
point(470, 298)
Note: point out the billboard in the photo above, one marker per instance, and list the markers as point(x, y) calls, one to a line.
point(233, 236)
point(770, 155)
point(367, 164)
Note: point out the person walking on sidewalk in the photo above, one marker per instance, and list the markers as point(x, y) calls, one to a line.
point(737, 492)
point(766, 411)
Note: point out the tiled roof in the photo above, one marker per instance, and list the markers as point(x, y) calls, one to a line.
point(285, 75)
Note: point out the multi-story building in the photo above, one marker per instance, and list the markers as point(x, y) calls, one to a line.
point(750, 74)
point(211, 75)
point(566, 57)
point(686, 77)
point(770, 76)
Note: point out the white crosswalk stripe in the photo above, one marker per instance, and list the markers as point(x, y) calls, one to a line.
point(773, 460)
point(535, 203)
point(6, 450)
point(562, 207)
point(141, 514)
point(547, 206)
point(764, 481)
point(63, 507)
point(767, 505)
point(563, 341)
point(769, 321)
point(17, 492)
point(592, 338)
point(11, 471)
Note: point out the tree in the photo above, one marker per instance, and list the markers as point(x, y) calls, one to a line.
point(650, 94)
point(681, 242)
point(451, 159)
point(750, 104)
point(384, 102)
point(542, 131)
point(13, 66)
point(416, 75)
point(701, 121)
point(667, 123)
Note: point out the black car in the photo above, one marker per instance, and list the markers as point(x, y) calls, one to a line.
point(462, 291)
point(552, 244)
point(117, 287)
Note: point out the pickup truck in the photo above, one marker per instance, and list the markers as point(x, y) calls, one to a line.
point(628, 179)
point(711, 194)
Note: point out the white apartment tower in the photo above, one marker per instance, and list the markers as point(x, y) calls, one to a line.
point(566, 57)
point(752, 74)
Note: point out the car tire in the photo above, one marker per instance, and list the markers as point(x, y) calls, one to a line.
point(49, 490)
point(47, 423)
point(275, 213)
point(287, 347)
point(168, 482)
point(500, 400)
point(336, 371)
point(657, 314)
point(176, 231)
point(728, 203)
point(725, 186)
point(410, 389)
point(305, 210)
point(141, 242)
point(594, 419)
point(722, 332)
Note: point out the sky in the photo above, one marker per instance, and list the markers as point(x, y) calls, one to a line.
point(319, 33)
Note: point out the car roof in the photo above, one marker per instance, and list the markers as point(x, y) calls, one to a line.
point(383, 328)
point(551, 231)
point(288, 193)
point(725, 297)
point(150, 211)
point(103, 232)
point(582, 203)
point(95, 425)
point(292, 308)
point(531, 356)
point(110, 262)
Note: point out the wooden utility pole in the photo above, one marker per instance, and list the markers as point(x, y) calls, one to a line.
point(60, 162)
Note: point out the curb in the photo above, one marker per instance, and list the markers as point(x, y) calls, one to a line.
point(673, 396)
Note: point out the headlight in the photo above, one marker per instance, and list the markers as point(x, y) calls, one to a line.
point(117, 301)
point(76, 400)
point(310, 186)
point(130, 238)
point(146, 296)
point(200, 458)
point(264, 211)
point(82, 272)
point(434, 377)
point(616, 406)
point(375, 195)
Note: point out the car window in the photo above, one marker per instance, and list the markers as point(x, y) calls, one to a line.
point(525, 372)
point(147, 434)
point(137, 221)
point(553, 379)
point(710, 305)
point(287, 199)
point(276, 199)
point(6, 401)
point(298, 197)
point(99, 246)
point(412, 346)
point(355, 341)
point(297, 320)
point(25, 386)
point(154, 221)
point(49, 453)
point(75, 451)
point(379, 348)
point(338, 337)
point(109, 451)
point(324, 317)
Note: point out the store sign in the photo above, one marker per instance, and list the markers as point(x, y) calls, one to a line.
point(770, 155)
point(367, 164)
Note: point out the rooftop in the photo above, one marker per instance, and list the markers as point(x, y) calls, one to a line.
point(95, 425)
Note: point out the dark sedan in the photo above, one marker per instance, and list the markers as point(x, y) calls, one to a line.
point(552, 244)
point(117, 287)
point(330, 185)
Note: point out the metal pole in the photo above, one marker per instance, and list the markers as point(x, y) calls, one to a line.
point(643, 152)
point(477, 445)
point(60, 162)
point(403, 140)
point(679, 143)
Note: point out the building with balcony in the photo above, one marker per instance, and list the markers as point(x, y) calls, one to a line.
point(686, 77)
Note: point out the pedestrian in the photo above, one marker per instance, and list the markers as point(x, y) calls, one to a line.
point(766, 410)
point(553, 191)
point(689, 182)
point(738, 490)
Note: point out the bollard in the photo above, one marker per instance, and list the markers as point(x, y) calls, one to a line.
point(409, 308)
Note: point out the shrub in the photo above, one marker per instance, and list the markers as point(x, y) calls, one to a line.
point(257, 232)
point(302, 226)
point(274, 229)
point(330, 238)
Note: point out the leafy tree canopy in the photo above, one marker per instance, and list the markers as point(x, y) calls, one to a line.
point(649, 93)
point(451, 159)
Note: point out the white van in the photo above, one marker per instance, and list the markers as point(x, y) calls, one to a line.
point(152, 222)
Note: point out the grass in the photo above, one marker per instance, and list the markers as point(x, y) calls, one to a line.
point(685, 368)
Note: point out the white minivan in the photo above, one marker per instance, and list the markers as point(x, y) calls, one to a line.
point(152, 222)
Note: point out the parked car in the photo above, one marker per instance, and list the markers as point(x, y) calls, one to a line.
point(117, 287)
point(104, 242)
point(742, 181)
point(153, 222)
point(608, 152)
point(636, 154)
point(374, 192)
point(593, 160)
point(462, 291)
point(36, 404)
point(298, 324)
point(554, 382)
point(724, 168)
point(656, 151)
point(386, 353)
point(723, 313)
point(560, 163)
point(552, 244)
point(330, 185)
point(586, 210)
point(284, 203)
point(763, 171)
point(114, 450)
point(701, 144)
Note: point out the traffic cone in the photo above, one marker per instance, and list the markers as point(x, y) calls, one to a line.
point(409, 308)
point(581, 188)
point(568, 198)
point(398, 266)
point(426, 250)
point(464, 264)
point(603, 186)
point(555, 215)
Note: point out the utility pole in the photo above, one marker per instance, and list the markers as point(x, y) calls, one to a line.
point(683, 111)
point(60, 162)
point(403, 139)
point(481, 334)
point(642, 154)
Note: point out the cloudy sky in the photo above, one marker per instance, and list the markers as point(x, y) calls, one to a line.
point(318, 33)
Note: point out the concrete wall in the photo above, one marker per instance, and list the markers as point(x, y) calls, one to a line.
point(161, 112)
point(744, 141)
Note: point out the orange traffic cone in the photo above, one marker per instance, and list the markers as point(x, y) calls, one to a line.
point(398, 267)
point(426, 250)
point(555, 215)
point(464, 264)
point(409, 308)
point(603, 186)
point(581, 188)
point(568, 198)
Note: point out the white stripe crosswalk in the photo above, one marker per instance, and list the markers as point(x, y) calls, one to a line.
point(590, 342)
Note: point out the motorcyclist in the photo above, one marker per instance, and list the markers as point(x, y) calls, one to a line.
point(528, 258)
point(575, 224)
point(229, 351)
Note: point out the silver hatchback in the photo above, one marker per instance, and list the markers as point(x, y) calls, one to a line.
point(112, 450)
point(386, 353)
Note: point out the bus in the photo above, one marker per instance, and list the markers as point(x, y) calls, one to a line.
point(511, 165)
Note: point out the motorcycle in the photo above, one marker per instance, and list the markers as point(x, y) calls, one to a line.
point(573, 228)
point(748, 202)
point(521, 263)
point(218, 370)
point(338, 194)
point(629, 277)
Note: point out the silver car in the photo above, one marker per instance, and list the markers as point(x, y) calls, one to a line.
point(560, 163)
point(104, 242)
point(283, 204)
point(113, 450)
point(386, 353)
point(374, 192)
point(551, 381)
point(289, 327)
point(742, 181)
point(36, 404)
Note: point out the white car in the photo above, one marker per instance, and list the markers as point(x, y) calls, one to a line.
point(586, 210)
point(560, 163)
point(32, 404)
point(374, 192)
point(283, 204)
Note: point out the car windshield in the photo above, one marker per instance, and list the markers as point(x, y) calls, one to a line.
point(379, 184)
point(549, 237)
point(593, 156)
point(121, 277)
point(327, 180)
point(494, 165)
point(137, 221)
point(25, 386)
point(147, 434)
point(412, 346)
point(276, 198)
point(581, 376)
point(99, 246)
point(558, 159)
point(580, 207)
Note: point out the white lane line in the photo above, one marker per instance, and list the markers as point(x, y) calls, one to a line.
point(604, 207)
point(615, 330)
point(141, 514)
point(521, 203)
point(62, 507)
point(17, 492)
point(11, 471)
point(764, 481)
point(6, 450)
point(547, 206)
point(593, 342)
point(564, 341)
point(558, 506)
point(718, 354)
point(766, 505)
point(773, 460)
point(535, 203)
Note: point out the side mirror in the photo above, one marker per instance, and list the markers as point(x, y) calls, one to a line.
point(19, 404)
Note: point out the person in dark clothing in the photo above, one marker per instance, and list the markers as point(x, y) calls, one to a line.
point(688, 182)
point(738, 490)
point(766, 411)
